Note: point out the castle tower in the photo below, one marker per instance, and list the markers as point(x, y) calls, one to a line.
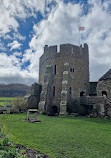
point(68, 76)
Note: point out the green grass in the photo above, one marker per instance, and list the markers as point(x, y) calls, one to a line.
point(6, 100)
point(62, 137)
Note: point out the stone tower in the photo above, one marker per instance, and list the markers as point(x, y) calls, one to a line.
point(63, 75)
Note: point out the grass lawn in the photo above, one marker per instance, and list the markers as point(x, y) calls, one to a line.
point(62, 137)
point(6, 100)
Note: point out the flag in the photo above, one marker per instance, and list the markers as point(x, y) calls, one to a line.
point(81, 28)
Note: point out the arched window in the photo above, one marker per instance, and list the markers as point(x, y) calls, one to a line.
point(82, 93)
point(104, 93)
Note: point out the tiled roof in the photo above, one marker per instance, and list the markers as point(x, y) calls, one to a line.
point(106, 76)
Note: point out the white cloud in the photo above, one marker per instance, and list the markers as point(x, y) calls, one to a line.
point(9, 61)
point(18, 54)
point(33, 57)
point(18, 36)
point(14, 45)
point(11, 10)
point(10, 71)
point(2, 46)
point(99, 37)
point(60, 26)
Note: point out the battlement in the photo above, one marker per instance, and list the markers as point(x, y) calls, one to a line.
point(48, 49)
point(65, 48)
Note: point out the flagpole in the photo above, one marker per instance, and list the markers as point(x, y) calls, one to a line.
point(80, 29)
point(79, 34)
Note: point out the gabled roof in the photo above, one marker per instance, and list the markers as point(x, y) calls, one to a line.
point(106, 76)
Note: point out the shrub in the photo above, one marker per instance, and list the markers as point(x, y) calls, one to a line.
point(12, 153)
point(81, 111)
point(72, 106)
point(19, 104)
point(52, 111)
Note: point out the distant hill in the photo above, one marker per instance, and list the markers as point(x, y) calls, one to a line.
point(14, 90)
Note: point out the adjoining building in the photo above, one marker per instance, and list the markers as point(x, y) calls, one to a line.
point(104, 85)
point(64, 75)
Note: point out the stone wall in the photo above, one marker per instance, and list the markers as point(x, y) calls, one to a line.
point(47, 91)
point(34, 97)
point(97, 106)
point(70, 69)
point(104, 86)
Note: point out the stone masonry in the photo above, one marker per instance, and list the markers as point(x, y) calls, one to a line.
point(34, 98)
point(63, 75)
point(104, 85)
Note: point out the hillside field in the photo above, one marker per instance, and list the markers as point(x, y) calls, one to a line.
point(6, 100)
point(62, 137)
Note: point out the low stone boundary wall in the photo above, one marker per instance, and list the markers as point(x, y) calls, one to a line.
point(91, 100)
point(97, 105)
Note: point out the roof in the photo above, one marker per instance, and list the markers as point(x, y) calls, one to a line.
point(106, 76)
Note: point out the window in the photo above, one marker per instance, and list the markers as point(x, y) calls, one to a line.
point(82, 93)
point(55, 69)
point(104, 93)
point(53, 91)
point(70, 69)
point(70, 91)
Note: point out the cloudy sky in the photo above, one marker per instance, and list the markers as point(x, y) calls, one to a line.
point(27, 25)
